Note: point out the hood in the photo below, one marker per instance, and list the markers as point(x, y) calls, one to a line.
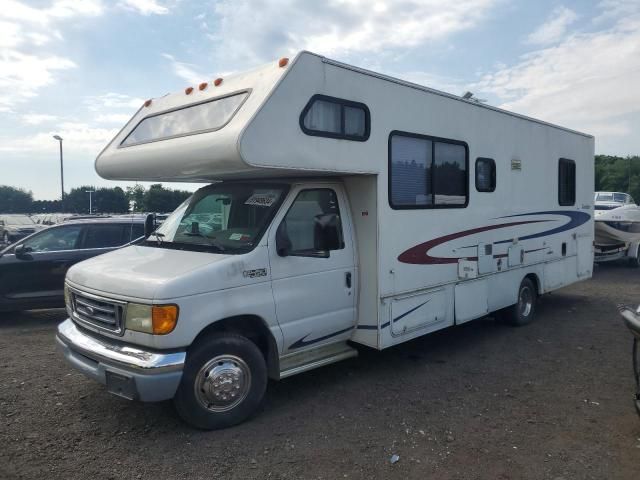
point(145, 272)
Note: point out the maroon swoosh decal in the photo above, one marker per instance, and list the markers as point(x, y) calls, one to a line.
point(419, 255)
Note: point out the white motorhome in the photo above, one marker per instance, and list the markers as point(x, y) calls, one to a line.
point(345, 207)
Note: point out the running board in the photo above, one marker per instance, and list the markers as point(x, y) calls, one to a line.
point(316, 357)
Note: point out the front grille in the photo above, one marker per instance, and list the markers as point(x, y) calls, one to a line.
point(99, 312)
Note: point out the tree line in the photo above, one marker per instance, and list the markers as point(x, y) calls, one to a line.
point(104, 200)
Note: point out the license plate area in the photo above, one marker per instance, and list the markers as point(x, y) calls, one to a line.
point(121, 385)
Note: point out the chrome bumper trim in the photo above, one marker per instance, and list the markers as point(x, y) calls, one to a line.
point(124, 356)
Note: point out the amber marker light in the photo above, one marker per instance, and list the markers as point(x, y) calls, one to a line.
point(283, 62)
point(202, 86)
point(188, 90)
point(147, 103)
point(164, 318)
point(217, 82)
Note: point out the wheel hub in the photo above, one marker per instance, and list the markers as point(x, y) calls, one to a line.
point(222, 383)
point(525, 301)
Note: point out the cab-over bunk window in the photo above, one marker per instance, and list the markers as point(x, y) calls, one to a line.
point(202, 117)
point(332, 117)
point(427, 172)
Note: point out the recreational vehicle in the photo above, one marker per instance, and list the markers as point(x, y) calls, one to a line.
point(344, 208)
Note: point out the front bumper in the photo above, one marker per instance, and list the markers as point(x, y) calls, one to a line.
point(126, 370)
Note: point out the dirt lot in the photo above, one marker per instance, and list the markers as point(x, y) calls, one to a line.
point(551, 400)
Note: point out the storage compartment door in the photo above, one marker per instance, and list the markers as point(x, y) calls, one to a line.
point(585, 255)
point(472, 300)
point(411, 312)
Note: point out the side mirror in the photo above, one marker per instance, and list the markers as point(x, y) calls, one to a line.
point(283, 243)
point(327, 233)
point(149, 225)
point(22, 251)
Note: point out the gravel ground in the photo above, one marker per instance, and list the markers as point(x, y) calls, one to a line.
point(482, 401)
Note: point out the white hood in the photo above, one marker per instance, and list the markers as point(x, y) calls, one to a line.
point(153, 273)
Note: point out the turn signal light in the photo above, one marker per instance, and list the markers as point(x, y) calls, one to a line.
point(217, 82)
point(164, 318)
point(283, 62)
point(188, 90)
point(202, 86)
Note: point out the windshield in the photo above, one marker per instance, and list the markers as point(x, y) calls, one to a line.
point(605, 197)
point(21, 220)
point(229, 218)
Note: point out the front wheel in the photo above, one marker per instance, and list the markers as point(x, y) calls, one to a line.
point(223, 383)
point(523, 311)
point(635, 262)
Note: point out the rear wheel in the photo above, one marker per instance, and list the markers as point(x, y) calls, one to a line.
point(523, 311)
point(223, 383)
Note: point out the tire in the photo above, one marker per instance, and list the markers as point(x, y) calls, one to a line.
point(523, 311)
point(230, 360)
point(635, 262)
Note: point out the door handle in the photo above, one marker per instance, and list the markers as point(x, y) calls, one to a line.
point(347, 279)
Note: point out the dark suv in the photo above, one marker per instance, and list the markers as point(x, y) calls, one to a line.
point(32, 270)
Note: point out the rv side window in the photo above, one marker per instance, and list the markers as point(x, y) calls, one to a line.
point(199, 118)
point(333, 117)
point(485, 174)
point(566, 182)
point(426, 172)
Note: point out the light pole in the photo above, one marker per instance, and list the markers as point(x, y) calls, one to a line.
point(59, 138)
point(89, 192)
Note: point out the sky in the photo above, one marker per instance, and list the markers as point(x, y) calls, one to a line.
point(81, 68)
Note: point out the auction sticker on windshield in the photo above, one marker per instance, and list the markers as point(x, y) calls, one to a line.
point(264, 199)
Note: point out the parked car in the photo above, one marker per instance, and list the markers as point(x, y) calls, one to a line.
point(32, 270)
point(15, 227)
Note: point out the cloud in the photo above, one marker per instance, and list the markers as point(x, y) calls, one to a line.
point(336, 28)
point(22, 75)
point(186, 71)
point(22, 28)
point(554, 28)
point(589, 81)
point(38, 118)
point(113, 118)
point(144, 7)
point(79, 138)
point(60, 9)
point(111, 100)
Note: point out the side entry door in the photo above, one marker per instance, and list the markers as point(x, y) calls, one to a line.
point(312, 267)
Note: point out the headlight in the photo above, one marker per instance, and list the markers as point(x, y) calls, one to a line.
point(154, 319)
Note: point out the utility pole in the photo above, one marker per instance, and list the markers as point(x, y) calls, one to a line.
point(89, 192)
point(59, 138)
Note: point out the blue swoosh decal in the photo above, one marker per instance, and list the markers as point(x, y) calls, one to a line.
point(576, 219)
point(303, 343)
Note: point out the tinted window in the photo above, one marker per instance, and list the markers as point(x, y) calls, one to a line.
point(55, 239)
point(485, 175)
point(104, 236)
point(566, 182)
point(202, 117)
point(411, 171)
point(310, 210)
point(450, 176)
point(426, 172)
point(335, 118)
